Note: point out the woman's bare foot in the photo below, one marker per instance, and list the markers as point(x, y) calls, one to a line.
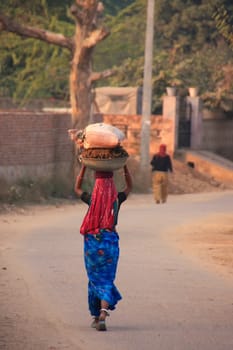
point(101, 326)
point(95, 322)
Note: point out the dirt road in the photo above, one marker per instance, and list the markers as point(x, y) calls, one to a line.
point(175, 274)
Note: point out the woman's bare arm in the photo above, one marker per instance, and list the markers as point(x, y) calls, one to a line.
point(128, 180)
point(79, 180)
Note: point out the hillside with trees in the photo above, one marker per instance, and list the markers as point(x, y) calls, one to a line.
point(192, 47)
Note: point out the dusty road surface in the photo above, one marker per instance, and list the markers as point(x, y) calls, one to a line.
point(175, 274)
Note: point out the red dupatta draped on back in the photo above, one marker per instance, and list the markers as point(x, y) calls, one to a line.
point(100, 214)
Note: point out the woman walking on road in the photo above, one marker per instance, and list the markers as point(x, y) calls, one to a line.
point(101, 242)
point(161, 164)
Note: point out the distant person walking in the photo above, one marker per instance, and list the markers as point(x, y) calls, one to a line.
point(161, 164)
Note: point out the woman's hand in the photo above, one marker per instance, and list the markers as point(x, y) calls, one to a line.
point(128, 180)
point(79, 180)
point(76, 137)
point(72, 133)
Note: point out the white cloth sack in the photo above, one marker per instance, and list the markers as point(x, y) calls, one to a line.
point(101, 135)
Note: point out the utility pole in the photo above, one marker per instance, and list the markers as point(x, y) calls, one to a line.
point(147, 91)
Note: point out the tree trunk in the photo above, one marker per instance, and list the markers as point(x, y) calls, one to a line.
point(88, 32)
point(80, 83)
point(87, 35)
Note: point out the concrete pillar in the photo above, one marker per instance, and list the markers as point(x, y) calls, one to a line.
point(171, 107)
point(195, 108)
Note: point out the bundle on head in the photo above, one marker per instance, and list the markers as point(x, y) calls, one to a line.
point(105, 153)
point(101, 147)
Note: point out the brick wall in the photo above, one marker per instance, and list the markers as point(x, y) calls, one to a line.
point(161, 131)
point(36, 144)
point(33, 143)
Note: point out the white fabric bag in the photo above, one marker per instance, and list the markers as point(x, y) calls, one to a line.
point(101, 135)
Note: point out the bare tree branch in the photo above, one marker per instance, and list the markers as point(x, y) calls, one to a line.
point(89, 31)
point(91, 13)
point(95, 37)
point(86, 3)
point(102, 75)
point(78, 15)
point(6, 24)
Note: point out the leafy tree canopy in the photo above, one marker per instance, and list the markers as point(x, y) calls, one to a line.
point(30, 68)
point(224, 20)
point(188, 48)
point(191, 47)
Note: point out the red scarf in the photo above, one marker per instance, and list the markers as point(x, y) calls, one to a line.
point(100, 214)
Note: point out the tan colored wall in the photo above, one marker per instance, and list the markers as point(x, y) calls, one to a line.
point(218, 137)
point(34, 144)
point(161, 131)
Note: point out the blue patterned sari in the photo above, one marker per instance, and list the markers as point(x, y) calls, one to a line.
point(101, 254)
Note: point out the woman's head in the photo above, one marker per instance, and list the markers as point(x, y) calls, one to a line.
point(162, 149)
